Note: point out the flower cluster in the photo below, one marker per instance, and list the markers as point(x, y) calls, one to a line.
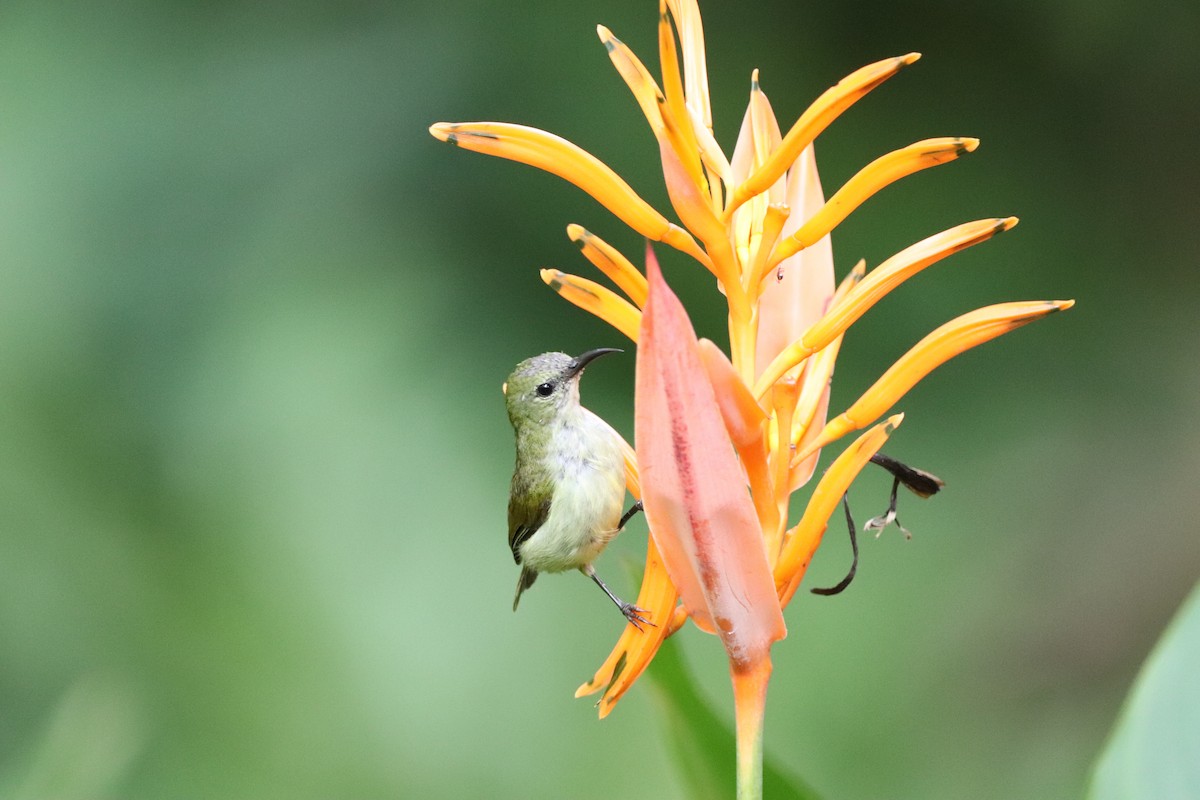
point(711, 426)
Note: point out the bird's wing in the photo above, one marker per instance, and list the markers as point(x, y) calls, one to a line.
point(526, 513)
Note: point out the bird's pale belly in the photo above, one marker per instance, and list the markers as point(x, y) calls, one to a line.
point(583, 515)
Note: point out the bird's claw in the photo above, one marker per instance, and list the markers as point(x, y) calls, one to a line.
point(635, 616)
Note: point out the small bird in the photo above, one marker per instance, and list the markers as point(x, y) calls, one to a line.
point(568, 486)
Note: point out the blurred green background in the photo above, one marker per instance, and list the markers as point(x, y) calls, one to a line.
point(254, 459)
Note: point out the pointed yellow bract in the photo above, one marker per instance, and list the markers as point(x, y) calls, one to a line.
point(617, 267)
point(873, 177)
point(882, 280)
point(591, 296)
point(571, 163)
point(803, 539)
point(817, 118)
point(638, 78)
point(636, 648)
point(931, 352)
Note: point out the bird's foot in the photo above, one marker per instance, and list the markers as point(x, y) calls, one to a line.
point(636, 616)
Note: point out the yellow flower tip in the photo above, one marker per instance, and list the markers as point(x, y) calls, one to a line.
point(893, 422)
point(576, 232)
point(1043, 309)
point(1006, 224)
point(554, 278)
point(967, 144)
point(754, 80)
point(452, 132)
point(911, 58)
point(607, 37)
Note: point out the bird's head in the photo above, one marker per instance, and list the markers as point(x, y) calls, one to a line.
point(542, 387)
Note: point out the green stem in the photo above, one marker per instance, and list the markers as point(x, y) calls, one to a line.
point(750, 701)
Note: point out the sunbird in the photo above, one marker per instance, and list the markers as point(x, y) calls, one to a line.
point(568, 486)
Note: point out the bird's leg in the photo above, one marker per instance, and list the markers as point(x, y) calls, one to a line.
point(633, 509)
point(631, 612)
point(844, 582)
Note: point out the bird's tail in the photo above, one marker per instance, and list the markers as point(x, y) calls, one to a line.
point(528, 576)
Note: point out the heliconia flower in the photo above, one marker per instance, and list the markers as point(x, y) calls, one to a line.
point(722, 442)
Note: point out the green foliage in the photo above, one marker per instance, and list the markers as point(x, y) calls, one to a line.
point(701, 742)
point(1155, 749)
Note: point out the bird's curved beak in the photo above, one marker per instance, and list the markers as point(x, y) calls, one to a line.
point(579, 362)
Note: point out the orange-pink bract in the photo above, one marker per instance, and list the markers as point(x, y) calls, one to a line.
point(697, 506)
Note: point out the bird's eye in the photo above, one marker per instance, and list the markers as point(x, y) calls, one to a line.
point(545, 389)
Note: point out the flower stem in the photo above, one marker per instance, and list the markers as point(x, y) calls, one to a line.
point(742, 341)
point(750, 700)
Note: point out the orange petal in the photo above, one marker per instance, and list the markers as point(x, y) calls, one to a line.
point(668, 58)
point(869, 180)
point(658, 596)
point(883, 279)
point(700, 514)
point(599, 300)
point(852, 279)
point(690, 200)
point(811, 413)
point(667, 130)
point(813, 404)
point(902, 266)
point(815, 119)
point(783, 402)
point(744, 420)
point(568, 161)
point(676, 114)
point(635, 649)
point(691, 204)
point(695, 72)
point(637, 78)
point(758, 136)
point(617, 267)
point(712, 156)
point(742, 414)
point(806, 536)
point(775, 218)
point(937, 348)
